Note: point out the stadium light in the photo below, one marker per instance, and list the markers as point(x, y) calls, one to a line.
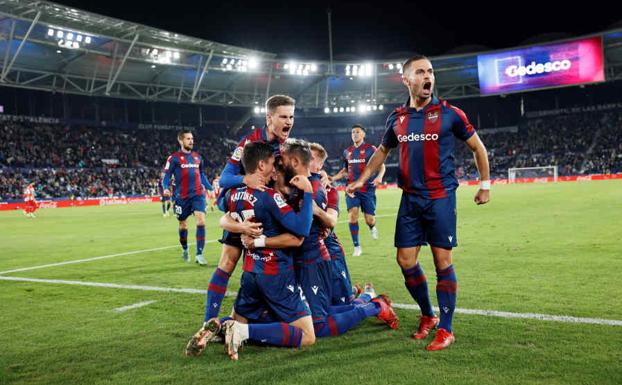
point(68, 39)
point(380, 107)
point(253, 63)
point(257, 110)
point(50, 32)
point(335, 109)
point(326, 110)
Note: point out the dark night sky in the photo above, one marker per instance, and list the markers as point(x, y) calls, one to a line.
point(366, 30)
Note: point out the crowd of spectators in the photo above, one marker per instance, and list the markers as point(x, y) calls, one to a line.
point(82, 162)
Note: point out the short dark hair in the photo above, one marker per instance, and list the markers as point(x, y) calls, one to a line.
point(412, 59)
point(255, 152)
point(275, 101)
point(359, 126)
point(298, 148)
point(182, 132)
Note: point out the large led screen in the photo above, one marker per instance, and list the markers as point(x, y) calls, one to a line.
point(574, 62)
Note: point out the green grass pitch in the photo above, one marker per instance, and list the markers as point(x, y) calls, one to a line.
point(540, 248)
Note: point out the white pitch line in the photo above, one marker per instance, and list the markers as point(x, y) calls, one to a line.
point(94, 258)
point(487, 313)
point(134, 306)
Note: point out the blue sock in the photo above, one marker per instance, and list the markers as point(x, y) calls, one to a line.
point(335, 309)
point(362, 299)
point(339, 323)
point(183, 238)
point(200, 239)
point(371, 226)
point(278, 334)
point(163, 208)
point(417, 286)
point(216, 292)
point(446, 287)
point(354, 231)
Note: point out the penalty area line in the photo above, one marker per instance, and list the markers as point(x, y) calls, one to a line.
point(486, 313)
point(134, 306)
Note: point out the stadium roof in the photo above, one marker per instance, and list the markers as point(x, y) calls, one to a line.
point(52, 47)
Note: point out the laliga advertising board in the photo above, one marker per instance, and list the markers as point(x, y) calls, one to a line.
point(561, 64)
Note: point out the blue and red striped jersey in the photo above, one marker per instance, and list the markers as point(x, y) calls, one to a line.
point(187, 170)
point(313, 248)
point(332, 198)
point(354, 160)
point(426, 146)
point(232, 174)
point(277, 217)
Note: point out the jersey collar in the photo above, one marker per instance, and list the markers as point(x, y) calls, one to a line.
point(406, 106)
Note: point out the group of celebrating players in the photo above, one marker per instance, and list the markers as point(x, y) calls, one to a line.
point(280, 210)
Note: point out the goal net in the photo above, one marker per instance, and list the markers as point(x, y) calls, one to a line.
point(543, 173)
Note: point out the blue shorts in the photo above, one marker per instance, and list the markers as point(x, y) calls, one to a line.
point(265, 297)
point(164, 198)
point(421, 221)
point(185, 207)
point(231, 239)
point(315, 281)
point(365, 200)
point(341, 284)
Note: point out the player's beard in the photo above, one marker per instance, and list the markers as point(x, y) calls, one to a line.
point(289, 173)
point(188, 148)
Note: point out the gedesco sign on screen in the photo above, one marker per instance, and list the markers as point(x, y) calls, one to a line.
point(574, 62)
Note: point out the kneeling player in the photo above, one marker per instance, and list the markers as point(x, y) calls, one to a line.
point(268, 283)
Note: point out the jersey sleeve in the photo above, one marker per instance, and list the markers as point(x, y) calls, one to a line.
point(461, 127)
point(204, 181)
point(332, 197)
point(169, 169)
point(389, 139)
point(296, 223)
point(231, 175)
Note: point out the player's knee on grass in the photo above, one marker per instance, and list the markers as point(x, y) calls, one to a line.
point(407, 256)
point(229, 258)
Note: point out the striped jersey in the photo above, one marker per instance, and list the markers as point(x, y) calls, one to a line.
point(426, 146)
point(277, 217)
point(354, 161)
point(187, 170)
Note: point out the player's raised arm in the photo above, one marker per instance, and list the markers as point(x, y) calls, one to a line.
point(375, 162)
point(296, 223)
point(232, 177)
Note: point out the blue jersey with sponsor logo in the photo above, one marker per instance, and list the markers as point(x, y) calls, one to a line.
point(426, 146)
point(187, 170)
point(277, 217)
point(354, 161)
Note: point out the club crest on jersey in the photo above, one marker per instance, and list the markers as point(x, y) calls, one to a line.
point(280, 202)
point(237, 154)
point(433, 116)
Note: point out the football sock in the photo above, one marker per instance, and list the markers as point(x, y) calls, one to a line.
point(278, 334)
point(446, 287)
point(163, 208)
point(372, 225)
point(417, 286)
point(168, 206)
point(216, 292)
point(339, 323)
point(183, 238)
point(200, 235)
point(354, 231)
point(362, 299)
